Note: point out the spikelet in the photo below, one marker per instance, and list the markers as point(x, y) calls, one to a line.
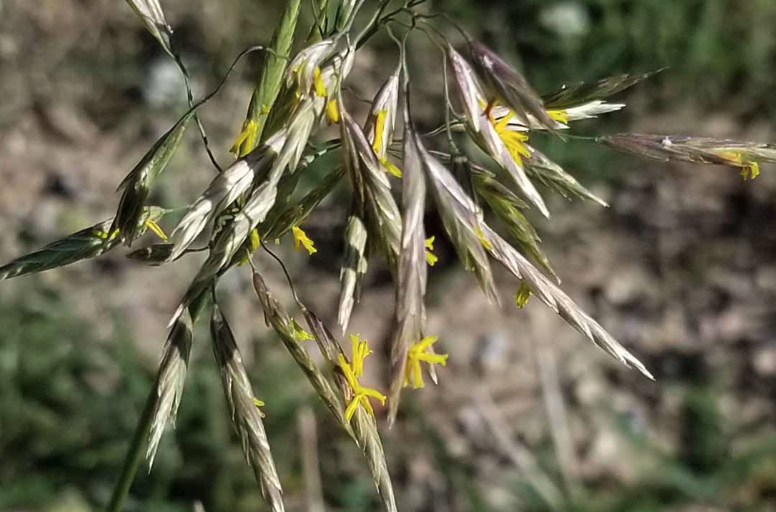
point(137, 185)
point(410, 309)
point(372, 189)
point(507, 86)
point(243, 412)
point(169, 382)
point(277, 318)
point(353, 269)
point(745, 156)
point(557, 300)
point(225, 188)
point(88, 243)
point(364, 427)
point(151, 14)
point(485, 132)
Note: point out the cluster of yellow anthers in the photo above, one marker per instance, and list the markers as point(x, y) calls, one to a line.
point(382, 116)
point(352, 372)
point(332, 110)
point(413, 375)
point(749, 170)
point(513, 140)
point(149, 224)
point(431, 258)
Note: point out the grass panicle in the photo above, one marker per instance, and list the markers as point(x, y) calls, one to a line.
point(256, 198)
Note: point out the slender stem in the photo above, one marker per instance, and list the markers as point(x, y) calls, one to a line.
point(135, 455)
point(136, 451)
point(190, 96)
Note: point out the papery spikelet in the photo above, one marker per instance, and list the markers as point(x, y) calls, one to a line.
point(553, 176)
point(410, 310)
point(364, 429)
point(366, 432)
point(372, 189)
point(507, 86)
point(137, 185)
point(245, 417)
point(557, 300)
point(294, 214)
point(381, 122)
point(699, 150)
point(302, 69)
point(581, 94)
point(169, 382)
point(151, 14)
point(88, 243)
point(506, 206)
point(277, 318)
point(462, 219)
point(353, 268)
point(231, 238)
point(223, 191)
point(486, 133)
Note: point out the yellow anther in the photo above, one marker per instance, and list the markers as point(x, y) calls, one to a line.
point(332, 112)
point(431, 258)
point(301, 240)
point(156, 229)
point(320, 87)
point(299, 332)
point(390, 167)
point(561, 116)
point(512, 139)
point(243, 144)
point(258, 403)
point(413, 374)
point(522, 295)
point(377, 145)
point(750, 171)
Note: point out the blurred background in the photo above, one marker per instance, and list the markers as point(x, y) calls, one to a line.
point(528, 415)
